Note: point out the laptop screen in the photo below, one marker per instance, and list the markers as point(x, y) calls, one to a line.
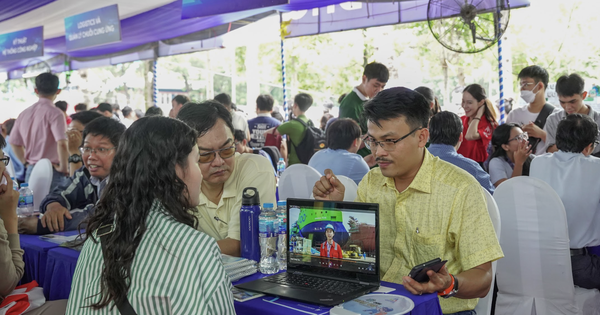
point(333, 235)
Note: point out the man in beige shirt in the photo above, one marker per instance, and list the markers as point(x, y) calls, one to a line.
point(225, 174)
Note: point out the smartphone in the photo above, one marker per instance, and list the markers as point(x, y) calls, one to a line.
point(419, 272)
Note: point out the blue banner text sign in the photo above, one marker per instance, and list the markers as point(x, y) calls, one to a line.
point(200, 8)
point(93, 28)
point(23, 44)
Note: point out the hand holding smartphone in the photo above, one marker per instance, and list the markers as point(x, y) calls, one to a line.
point(419, 272)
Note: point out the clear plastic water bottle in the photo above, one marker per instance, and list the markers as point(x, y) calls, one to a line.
point(268, 227)
point(15, 184)
point(25, 207)
point(282, 234)
point(280, 167)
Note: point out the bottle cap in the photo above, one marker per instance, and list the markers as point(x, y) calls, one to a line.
point(268, 205)
point(281, 203)
point(250, 197)
point(24, 185)
point(280, 159)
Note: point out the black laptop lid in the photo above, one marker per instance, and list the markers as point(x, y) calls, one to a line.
point(334, 238)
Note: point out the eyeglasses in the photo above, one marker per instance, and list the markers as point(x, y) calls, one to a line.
point(99, 151)
point(523, 136)
point(210, 156)
point(6, 160)
point(387, 145)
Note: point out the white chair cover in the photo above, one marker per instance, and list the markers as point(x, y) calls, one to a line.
point(535, 275)
point(40, 181)
point(351, 187)
point(297, 181)
point(484, 307)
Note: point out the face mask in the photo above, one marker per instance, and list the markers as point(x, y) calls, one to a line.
point(529, 96)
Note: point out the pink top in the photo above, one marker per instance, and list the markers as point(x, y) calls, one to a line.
point(38, 128)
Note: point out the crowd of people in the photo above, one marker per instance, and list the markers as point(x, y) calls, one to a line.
point(153, 191)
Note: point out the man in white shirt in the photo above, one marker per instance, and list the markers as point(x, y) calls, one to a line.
point(573, 174)
point(239, 120)
point(532, 118)
point(571, 93)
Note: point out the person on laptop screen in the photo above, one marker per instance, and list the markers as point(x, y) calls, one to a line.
point(330, 249)
point(435, 209)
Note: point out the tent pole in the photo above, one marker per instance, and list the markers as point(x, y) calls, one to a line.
point(283, 74)
point(500, 70)
point(154, 88)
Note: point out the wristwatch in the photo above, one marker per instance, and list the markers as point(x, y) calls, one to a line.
point(452, 290)
point(75, 158)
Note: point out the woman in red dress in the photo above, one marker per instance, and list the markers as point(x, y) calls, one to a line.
point(479, 123)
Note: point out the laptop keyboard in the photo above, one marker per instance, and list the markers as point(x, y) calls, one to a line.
point(315, 283)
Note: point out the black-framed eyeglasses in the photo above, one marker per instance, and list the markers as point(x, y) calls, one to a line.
point(387, 145)
point(210, 156)
point(6, 160)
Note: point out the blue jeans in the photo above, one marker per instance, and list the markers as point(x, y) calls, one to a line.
point(57, 177)
point(464, 313)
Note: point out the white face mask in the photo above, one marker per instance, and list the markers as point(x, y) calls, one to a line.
point(529, 96)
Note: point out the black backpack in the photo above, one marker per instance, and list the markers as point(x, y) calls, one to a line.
point(273, 152)
point(313, 141)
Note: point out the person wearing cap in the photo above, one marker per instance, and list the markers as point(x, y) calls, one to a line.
point(330, 248)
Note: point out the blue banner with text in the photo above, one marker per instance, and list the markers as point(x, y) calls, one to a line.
point(200, 8)
point(23, 44)
point(93, 28)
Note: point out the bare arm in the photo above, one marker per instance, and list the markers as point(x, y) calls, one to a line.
point(63, 155)
point(472, 133)
point(19, 151)
point(229, 247)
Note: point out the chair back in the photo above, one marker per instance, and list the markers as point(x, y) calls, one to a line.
point(351, 187)
point(10, 168)
point(535, 275)
point(40, 181)
point(297, 181)
point(484, 307)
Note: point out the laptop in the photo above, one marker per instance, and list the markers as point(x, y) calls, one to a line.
point(333, 253)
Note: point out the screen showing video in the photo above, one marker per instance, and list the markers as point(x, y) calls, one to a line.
point(333, 238)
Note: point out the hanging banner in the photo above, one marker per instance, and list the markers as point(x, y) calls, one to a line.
point(93, 28)
point(200, 8)
point(23, 44)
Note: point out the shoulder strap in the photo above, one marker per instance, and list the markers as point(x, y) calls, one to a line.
point(125, 307)
point(540, 121)
point(301, 121)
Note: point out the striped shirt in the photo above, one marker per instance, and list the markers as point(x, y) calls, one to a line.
point(176, 270)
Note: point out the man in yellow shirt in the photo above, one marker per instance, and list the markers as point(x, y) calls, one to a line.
point(225, 174)
point(431, 208)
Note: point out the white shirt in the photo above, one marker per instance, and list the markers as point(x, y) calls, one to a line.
point(555, 118)
point(499, 169)
point(523, 116)
point(575, 178)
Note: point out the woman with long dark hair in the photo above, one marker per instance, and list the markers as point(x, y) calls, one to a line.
point(479, 123)
point(434, 104)
point(511, 155)
point(142, 248)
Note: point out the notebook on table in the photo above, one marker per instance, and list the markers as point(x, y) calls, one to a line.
point(323, 267)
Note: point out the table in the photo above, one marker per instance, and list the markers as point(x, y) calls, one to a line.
point(427, 304)
point(60, 268)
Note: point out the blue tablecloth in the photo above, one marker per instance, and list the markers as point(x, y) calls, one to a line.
point(428, 304)
point(60, 267)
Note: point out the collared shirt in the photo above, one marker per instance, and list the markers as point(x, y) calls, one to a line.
point(352, 106)
point(175, 270)
point(250, 170)
point(38, 128)
point(442, 214)
point(552, 125)
point(99, 183)
point(448, 153)
point(341, 162)
point(257, 127)
point(574, 177)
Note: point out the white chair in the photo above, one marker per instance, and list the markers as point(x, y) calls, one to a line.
point(40, 181)
point(351, 187)
point(10, 168)
point(484, 307)
point(535, 275)
point(297, 181)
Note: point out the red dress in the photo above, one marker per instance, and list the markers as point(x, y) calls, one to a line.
point(476, 150)
point(335, 251)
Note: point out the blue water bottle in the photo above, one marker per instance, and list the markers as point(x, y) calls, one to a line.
point(250, 246)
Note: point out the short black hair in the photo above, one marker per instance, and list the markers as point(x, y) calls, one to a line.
point(115, 107)
point(8, 124)
point(239, 135)
point(2, 142)
point(46, 84)
point(575, 133)
point(181, 99)
point(501, 136)
point(342, 133)
point(154, 111)
point(569, 85)
point(81, 107)
point(376, 70)
point(85, 117)
point(104, 107)
point(341, 98)
point(105, 127)
point(203, 116)
point(224, 99)
point(398, 102)
point(126, 111)
point(265, 102)
point(139, 113)
point(537, 73)
point(304, 101)
point(445, 128)
point(62, 105)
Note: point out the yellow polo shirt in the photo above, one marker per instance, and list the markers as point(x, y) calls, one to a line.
point(442, 213)
point(250, 170)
